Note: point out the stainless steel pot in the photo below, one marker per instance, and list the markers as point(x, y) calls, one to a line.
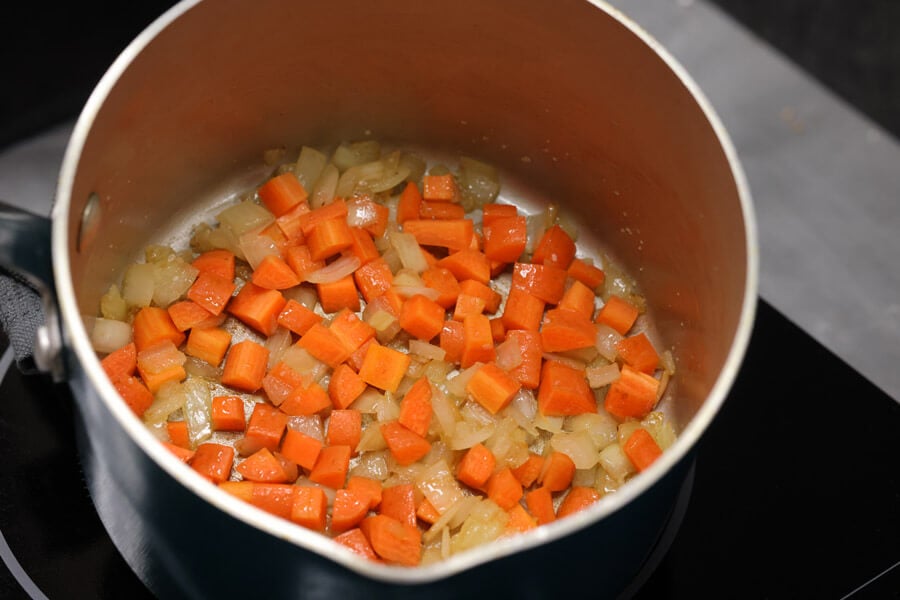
point(571, 100)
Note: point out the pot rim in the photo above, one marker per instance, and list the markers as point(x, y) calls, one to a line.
point(78, 340)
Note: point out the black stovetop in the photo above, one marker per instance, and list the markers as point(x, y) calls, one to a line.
point(796, 492)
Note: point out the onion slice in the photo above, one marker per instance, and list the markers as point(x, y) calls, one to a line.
point(337, 270)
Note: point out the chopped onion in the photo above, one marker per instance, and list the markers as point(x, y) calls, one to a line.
point(426, 350)
point(551, 424)
point(387, 409)
point(356, 153)
point(303, 294)
point(478, 182)
point(109, 335)
point(506, 438)
point(667, 362)
point(385, 324)
point(578, 446)
point(663, 384)
point(359, 179)
point(277, 390)
point(171, 280)
point(466, 434)
point(408, 291)
point(601, 428)
point(256, 247)
point(201, 368)
point(197, 408)
point(615, 462)
point(437, 370)
point(159, 357)
point(626, 429)
point(304, 363)
point(444, 411)
point(360, 212)
point(439, 486)
point(600, 376)
point(371, 439)
point(323, 191)
point(485, 523)
point(137, 285)
point(392, 258)
point(409, 251)
point(372, 465)
point(473, 412)
point(660, 428)
point(457, 385)
point(310, 425)
point(309, 166)
point(607, 341)
point(566, 360)
point(414, 164)
point(112, 305)
point(368, 401)
point(515, 410)
point(509, 354)
point(276, 344)
point(169, 398)
point(335, 271)
point(245, 216)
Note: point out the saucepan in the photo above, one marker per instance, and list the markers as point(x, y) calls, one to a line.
point(570, 100)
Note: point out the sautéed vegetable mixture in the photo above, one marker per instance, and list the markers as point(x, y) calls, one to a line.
point(389, 356)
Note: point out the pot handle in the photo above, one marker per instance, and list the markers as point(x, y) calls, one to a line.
point(27, 299)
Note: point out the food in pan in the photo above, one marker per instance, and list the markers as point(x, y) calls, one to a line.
point(390, 356)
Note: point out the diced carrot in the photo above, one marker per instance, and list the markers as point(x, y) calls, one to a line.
point(478, 343)
point(187, 314)
point(587, 274)
point(297, 318)
point(337, 295)
point(348, 510)
point(368, 487)
point(183, 454)
point(329, 237)
point(528, 472)
point(540, 505)
point(546, 282)
point(392, 540)
point(213, 461)
point(476, 466)
point(306, 401)
point(160, 364)
point(498, 330)
point(451, 341)
point(410, 201)
point(262, 466)
point(492, 212)
point(376, 216)
point(384, 367)
point(211, 291)
point(527, 372)
point(468, 264)
point(440, 187)
point(618, 313)
point(227, 414)
point(406, 446)
point(442, 280)
point(430, 209)
point(633, 394)
point(277, 388)
point(504, 489)
point(578, 498)
point(300, 448)
point(641, 449)
point(415, 407)
point(282, 193)
point(373, 279)
point(258, 308)
point(427, 512)
point(331, 467)
point(120, 363)
point(564, 391)
point(134, 393)
point(480, 290)
point(275, 498)
point(243, 490)
point(178, 433)
point(335, 210)
point(467, 305)
point(637, 351)
point(422, 317)
point(555, 247)
point(363, 247)
point(151, 325)
point(276, 234)
point(301, 262)
point(219, 262)
point(523, 310)
point(209, 345)
point(264, 429)
point(245, 366)
point(356, 359)
point(323, 344)
point(344, 428)
point(505, 238)
point(558, 472)
point(399, 502)
point(356, 541)
point(578, 298)
point(564, 330)
point(345, 386)
point(290, 224)
point(519, 520)
point(453, 234)
point(352, 331)
point(272, 273)
point(492, 387)
point(310, 508)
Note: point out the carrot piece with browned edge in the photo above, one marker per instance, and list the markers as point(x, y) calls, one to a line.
point(245, 366)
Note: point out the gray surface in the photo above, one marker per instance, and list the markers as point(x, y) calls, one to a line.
point(824, 179)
